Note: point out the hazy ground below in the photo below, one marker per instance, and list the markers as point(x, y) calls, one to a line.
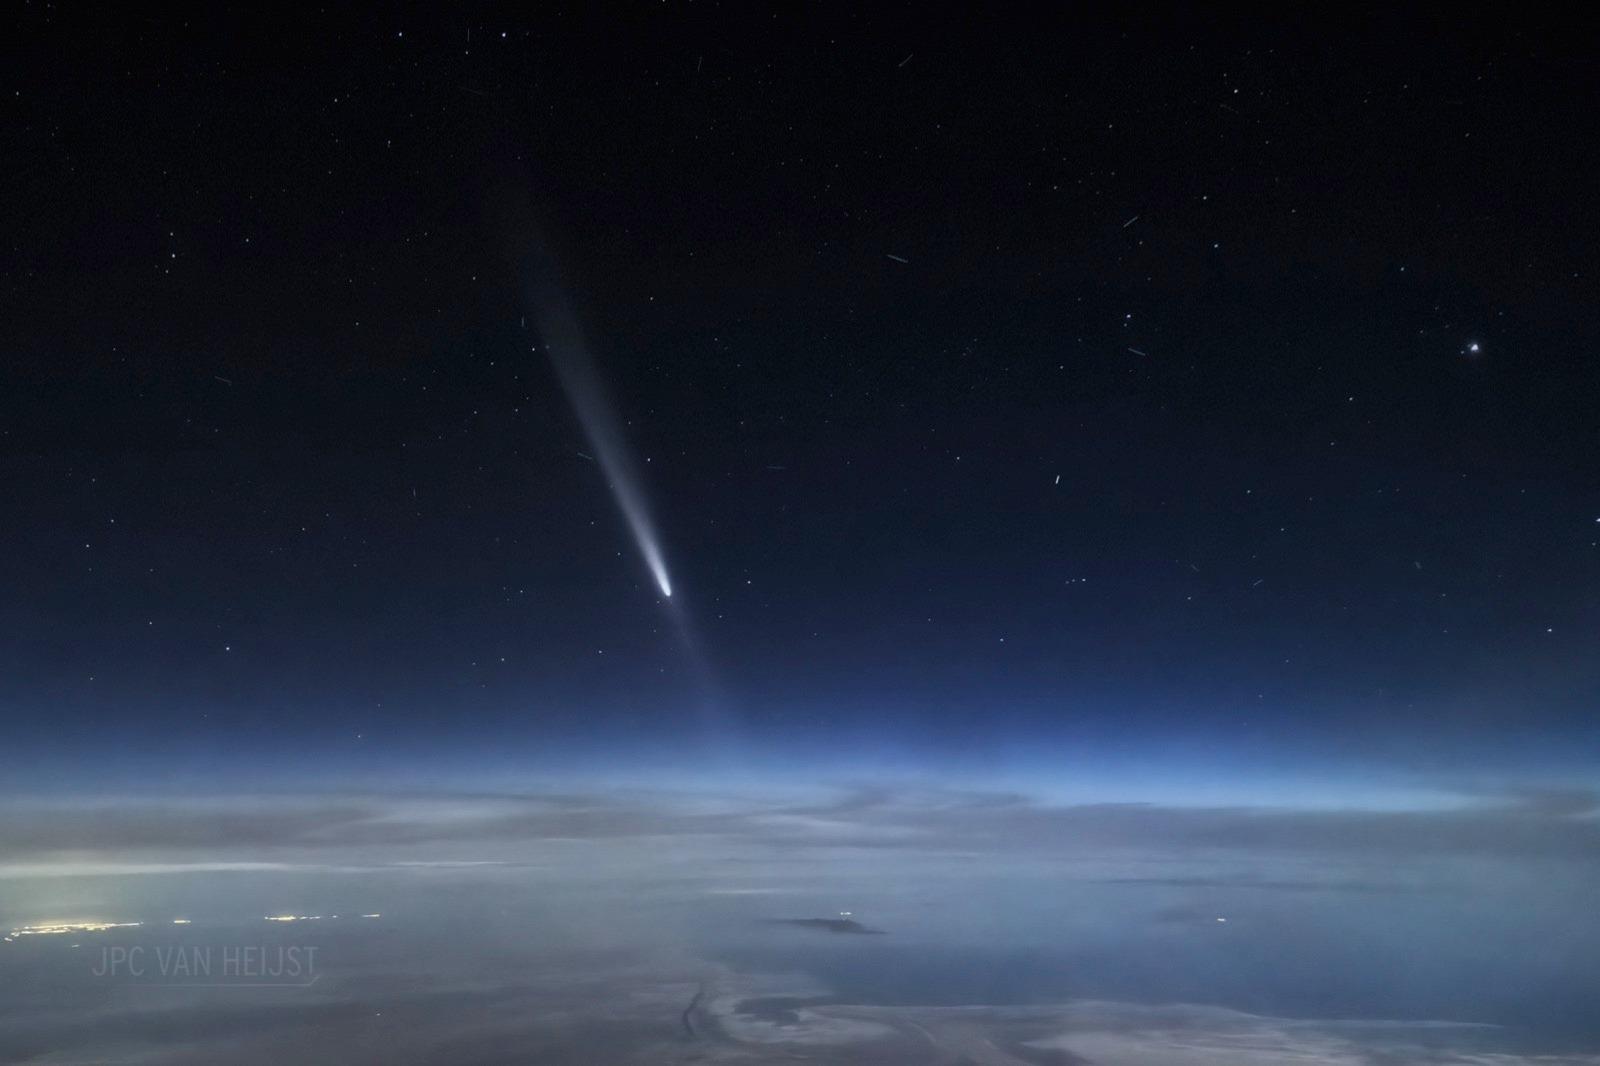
point(598, 929)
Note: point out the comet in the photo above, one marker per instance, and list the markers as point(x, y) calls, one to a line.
point(563, 341)
point(569, 354)
point(575, 368)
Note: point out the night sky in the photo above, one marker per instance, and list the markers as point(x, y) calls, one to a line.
point(1196, 404)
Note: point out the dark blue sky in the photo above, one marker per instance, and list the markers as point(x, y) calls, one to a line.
point(1231, 407)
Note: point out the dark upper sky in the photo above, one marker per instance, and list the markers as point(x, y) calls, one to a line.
point(990, 383)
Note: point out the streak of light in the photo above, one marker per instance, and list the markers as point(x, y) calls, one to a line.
point(575, 367)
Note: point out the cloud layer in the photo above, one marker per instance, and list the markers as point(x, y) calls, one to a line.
point(405, 827)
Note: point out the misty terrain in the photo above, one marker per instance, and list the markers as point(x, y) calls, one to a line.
point(614, 927)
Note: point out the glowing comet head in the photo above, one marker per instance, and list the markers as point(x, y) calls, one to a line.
point(644, 535)
point(631, 502)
